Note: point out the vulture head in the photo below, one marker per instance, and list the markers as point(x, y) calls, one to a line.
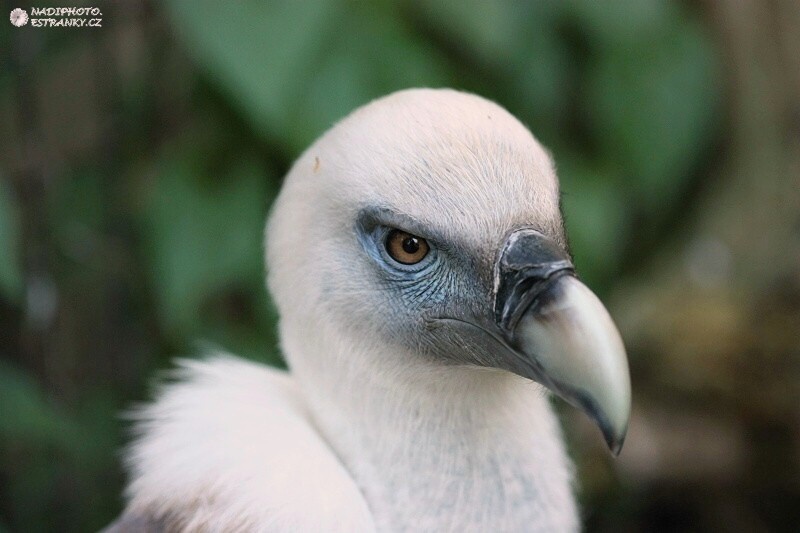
point(423, 233)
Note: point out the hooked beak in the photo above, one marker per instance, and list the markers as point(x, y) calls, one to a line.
point(560, 332)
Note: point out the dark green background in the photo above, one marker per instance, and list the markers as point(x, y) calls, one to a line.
point(139, 161)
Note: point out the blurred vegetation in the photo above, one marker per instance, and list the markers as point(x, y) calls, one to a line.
point(139, 161)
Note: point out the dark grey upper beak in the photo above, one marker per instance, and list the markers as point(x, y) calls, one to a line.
point(560, 333)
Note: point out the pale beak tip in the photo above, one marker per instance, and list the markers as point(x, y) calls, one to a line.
point(614, 432)
point(613, 441)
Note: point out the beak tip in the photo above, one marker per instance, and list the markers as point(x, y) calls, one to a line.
point(614, 442)
point(614, 430)
point(613, 433)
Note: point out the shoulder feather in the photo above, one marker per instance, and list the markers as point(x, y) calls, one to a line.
point(229, 446)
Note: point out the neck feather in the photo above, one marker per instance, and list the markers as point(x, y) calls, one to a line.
point(424, 439)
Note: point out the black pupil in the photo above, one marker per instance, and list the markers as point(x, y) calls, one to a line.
point(410, 245)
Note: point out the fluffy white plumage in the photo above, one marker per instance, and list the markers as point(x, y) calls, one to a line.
point(231, 447)
point(366, 434)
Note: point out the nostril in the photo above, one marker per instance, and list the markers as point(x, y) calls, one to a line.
point(527, 260)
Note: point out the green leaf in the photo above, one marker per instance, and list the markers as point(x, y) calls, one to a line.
point(10, 260)
point(204, 235)
point(489, 30)
point(619, 23)
point(258, 52)
point(293, 68)
point(596, 217)
point(652, 102)
point(517, 44)
point(350, 73)
point(26, 416)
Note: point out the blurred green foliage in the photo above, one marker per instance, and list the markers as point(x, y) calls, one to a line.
point(10, 264)
point(163, 143)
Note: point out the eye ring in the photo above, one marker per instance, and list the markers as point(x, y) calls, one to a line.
point(405, 248)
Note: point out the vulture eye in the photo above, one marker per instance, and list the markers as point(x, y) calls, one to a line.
point(406, 248)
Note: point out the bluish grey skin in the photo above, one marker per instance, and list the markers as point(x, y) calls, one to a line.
point(519, 309)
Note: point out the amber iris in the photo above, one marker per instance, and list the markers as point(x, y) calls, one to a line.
point(406, 248)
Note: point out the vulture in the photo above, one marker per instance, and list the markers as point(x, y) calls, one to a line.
point(428, 307)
